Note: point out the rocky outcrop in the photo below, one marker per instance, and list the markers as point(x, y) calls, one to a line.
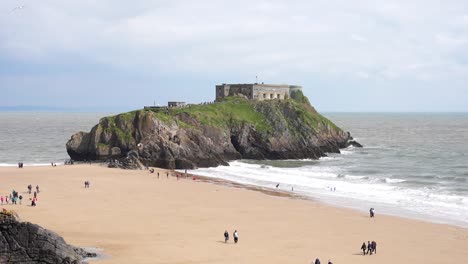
point(212, 135)
point(26, 243)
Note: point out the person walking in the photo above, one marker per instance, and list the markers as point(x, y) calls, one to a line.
point(236, 236)
point(317, 261)
point(369, 248)
point(371, 212)
point(21, 198)
point(364, 248)
point(1, 198)
point(37, 188)
point(226, 236)
point(374, 247)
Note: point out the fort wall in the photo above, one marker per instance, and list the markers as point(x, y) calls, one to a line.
point(256, 91)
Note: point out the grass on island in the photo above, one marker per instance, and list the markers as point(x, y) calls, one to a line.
point(230, 112)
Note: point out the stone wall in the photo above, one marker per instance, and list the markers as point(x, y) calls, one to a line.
point(256, 91)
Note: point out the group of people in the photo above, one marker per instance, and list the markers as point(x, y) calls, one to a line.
point(20, 165)
point(235, 235)
point(34, 200)
point(13, 198)
point(370, 248)
point(30, 189)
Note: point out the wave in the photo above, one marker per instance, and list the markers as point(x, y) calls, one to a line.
point(389, 180)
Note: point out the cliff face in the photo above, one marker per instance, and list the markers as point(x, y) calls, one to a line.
point(23, 242)
point(212, 134)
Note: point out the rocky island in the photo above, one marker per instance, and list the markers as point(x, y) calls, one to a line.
point(211, 134)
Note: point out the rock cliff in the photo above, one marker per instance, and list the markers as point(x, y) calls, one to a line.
point(26, 243)
point(212, 134)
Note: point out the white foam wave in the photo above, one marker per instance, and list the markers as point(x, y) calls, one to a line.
point(389, 180)
point(330, 158)
point(346, 152)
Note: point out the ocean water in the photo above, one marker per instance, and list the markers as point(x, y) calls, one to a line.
point(39, 138)
point(412, 165)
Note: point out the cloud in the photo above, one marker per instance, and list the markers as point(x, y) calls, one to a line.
point(362, 40)
point(222, 36)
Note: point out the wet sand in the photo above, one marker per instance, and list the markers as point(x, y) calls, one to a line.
point(134, 217)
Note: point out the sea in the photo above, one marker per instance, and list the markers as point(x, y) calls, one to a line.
point(413, 165)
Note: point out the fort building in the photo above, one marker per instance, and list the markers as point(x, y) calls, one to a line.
point(256, 91)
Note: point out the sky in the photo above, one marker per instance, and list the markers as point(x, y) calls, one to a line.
point(365, 56)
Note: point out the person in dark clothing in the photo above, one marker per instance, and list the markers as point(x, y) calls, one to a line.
point(329, 262)
point(226, 236)
point(371, 212)
point(369, 248)
point(317, 261)
point(374, 247)
point(363, 248)
point(277, 185)
point(29, 188)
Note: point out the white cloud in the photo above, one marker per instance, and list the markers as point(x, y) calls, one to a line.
point(275, 37)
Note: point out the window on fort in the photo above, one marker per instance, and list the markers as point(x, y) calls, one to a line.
point(271, 96)
point(264, 95)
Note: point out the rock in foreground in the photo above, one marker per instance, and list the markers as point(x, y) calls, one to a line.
point(26, 243)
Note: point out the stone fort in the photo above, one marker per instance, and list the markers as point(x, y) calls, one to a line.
point(256, 91)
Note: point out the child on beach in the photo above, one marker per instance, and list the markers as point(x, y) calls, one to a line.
point(363, 248)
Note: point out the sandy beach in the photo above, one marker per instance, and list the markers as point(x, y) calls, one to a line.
point(134, 217)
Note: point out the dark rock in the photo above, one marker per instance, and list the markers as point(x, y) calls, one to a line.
point(355, 144)
point(23, 242)
point(131, 162)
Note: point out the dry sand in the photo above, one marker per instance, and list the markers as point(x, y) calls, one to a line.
point(136, 218)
